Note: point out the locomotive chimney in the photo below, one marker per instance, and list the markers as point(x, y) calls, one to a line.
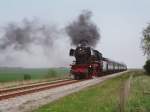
point(83, 43)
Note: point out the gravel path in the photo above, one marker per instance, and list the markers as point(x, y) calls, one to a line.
point(27, 103)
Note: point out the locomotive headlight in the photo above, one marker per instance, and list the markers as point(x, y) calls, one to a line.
point(90, 66)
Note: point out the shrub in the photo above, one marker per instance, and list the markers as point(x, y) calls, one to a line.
point(27, 77)
point(51, 73)
point(147, 66)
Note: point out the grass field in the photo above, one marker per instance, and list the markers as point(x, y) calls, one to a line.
point(139, 99)
point(105, 97)
point(17, 74)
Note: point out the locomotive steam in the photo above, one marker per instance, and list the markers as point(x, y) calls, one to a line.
point(28, 33)
point(83, 29)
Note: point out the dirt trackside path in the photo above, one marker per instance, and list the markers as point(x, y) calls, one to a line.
point(124, 93)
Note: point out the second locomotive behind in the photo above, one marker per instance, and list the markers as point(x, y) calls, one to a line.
point(90, 63)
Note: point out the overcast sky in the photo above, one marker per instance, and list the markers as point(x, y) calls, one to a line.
point(120, 22)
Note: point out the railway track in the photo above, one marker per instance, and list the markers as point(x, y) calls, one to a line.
point(18, 91)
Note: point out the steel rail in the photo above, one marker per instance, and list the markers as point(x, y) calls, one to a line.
point(36, 88)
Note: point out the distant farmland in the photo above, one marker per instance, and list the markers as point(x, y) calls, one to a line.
point(15, 74)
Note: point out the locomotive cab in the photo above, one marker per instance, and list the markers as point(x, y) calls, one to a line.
point(72, 52)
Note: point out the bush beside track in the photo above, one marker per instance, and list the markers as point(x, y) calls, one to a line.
point(147, 67)
point(105, 97)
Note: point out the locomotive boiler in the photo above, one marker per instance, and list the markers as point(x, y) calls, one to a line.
point(90, 63)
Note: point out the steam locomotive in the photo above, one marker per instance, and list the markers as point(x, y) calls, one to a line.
point(90, 63)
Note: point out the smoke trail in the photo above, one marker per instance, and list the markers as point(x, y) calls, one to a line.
point(83, 29)
point(22, 36)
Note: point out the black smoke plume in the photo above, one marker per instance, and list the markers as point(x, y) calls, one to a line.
point(23, 36)
point(83, 29)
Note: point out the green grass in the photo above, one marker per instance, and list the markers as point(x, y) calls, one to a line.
point(99, 98)
point(17, 74)
point(105, 97)
point(139, 99)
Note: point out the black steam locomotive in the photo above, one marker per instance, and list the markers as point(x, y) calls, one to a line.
point(90, 63)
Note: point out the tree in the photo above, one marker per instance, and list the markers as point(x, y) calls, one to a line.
point(146, 41)
point(147, 66)
point(146, 47)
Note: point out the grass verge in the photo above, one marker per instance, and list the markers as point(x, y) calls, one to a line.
point(99, 98)
point(139, 99)
point(105, 97)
